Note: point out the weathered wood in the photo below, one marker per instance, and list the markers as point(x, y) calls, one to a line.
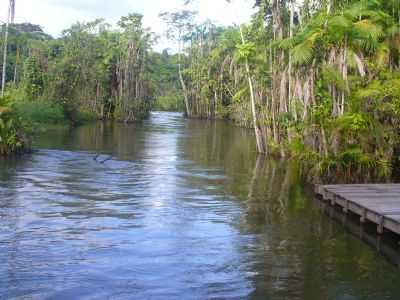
point(377, 203)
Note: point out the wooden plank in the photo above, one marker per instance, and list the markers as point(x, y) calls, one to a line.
point(394, 217)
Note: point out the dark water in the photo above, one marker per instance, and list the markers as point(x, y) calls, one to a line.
point(177, 210)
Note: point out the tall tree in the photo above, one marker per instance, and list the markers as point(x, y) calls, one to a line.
point(245, 50)
point(10, 19)
point(180, 25)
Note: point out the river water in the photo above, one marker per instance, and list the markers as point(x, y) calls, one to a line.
point(173, 209)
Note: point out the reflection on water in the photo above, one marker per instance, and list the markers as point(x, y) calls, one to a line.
point(178, 210)
point(387, 244)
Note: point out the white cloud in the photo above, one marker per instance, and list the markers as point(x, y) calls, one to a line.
point(56, 15)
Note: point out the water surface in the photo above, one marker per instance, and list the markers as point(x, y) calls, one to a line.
point(172, 209)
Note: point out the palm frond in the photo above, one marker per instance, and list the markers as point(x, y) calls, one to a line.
point(368, 34)
point(368, 92)
point(313, 36)
point(287, 43)
point(339, 24)
point(367, 29)
point(382, 55)
point(302, 53)
point(334, 77)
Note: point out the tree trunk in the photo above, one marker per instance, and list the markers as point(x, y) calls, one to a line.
point(259, 139)
point(16, 66)
point(292, 104)
point(185, 93)
point(183, 84)
point(3, 79)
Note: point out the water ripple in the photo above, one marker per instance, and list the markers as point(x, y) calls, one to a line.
point(168, 209)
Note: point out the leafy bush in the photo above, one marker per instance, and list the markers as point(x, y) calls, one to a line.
point(12, 137)
point(84, 116)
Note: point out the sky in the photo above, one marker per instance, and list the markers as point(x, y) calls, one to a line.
point(56, 15)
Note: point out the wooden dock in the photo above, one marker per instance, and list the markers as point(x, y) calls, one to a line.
point(376, 203)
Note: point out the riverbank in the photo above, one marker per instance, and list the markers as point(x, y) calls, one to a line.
point(323, 87)
point(21, 121)
point(352, 165)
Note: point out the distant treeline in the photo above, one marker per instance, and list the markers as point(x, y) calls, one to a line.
point(91, 69)
point(91, 72)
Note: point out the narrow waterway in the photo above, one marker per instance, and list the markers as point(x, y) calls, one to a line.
point(172, 209)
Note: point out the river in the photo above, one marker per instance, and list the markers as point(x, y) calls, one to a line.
point(172, 209)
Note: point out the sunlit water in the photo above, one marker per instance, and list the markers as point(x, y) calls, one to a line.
point(172, 209)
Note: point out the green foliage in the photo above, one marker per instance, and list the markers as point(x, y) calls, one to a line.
point(40, 112)
point(321, 113)
point(240, 94)
point(12, 137)
point(163, 76)
point(333, 76)
point(353, 122)
point(246, 50)
point(369, 32)
point(90, 72)
point(84, 116)
point(34, 78)
point(327, 88)
point(169, 103)
point(326, 85)
point(302, 53)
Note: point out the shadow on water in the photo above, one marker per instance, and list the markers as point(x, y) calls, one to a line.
point(387, 244)
point(101, 137)
point(295, 252)
point(184, 209)
point(307, 255)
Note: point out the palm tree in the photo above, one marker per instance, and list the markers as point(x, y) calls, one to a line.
point(180, 24)
point(10, 19)
point(261, 146)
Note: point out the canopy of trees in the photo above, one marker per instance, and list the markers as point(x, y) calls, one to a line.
point(319, 80)
point(91, 68)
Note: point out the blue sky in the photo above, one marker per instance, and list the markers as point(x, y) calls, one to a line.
point(56, 15)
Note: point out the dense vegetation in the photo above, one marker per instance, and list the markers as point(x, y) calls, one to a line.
point(91, 72)
point(318, 80)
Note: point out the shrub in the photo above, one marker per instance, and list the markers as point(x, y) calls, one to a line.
point(12, 136)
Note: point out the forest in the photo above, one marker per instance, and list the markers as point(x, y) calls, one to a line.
point(92, 72)
point(317, 81)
